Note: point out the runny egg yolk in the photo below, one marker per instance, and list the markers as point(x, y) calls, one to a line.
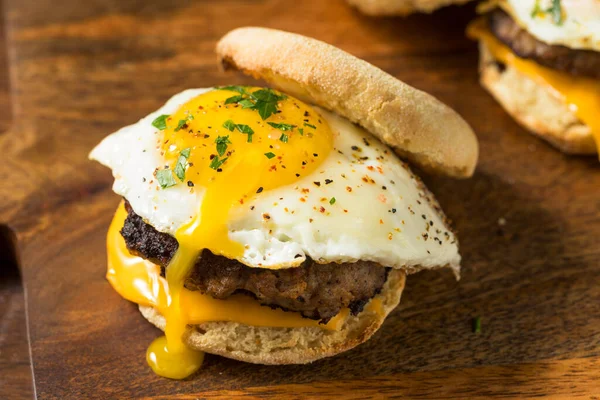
point(230, 144)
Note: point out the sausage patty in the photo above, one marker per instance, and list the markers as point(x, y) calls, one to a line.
point(522, 43)
point(317, 291)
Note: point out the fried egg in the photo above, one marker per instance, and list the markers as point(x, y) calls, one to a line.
point(571, 23)
point(304, 183)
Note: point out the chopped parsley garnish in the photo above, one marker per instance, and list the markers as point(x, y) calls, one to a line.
point(536, 9)
point(239, 89)
point(477, 325)
point(301, 131)
point(284, 138)
point(229, 124)
point(269, 155)
point(263, 100)
point(309, 125)
point(222, 142)
point(282, 127)
point(183, 122)
point(165, 178)
point(186, 152)
point(234, 99)
point(246, 103)
point(554, 10)
point(217, 162)
point(332, 201)
point(160, 122)
point(182, 164)
point(247, 130)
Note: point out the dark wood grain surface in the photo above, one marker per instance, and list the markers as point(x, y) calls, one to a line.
point(15, 367)
point(80, 70)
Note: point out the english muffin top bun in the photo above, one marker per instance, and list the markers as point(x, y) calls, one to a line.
point(413, 123)
point(276, 226)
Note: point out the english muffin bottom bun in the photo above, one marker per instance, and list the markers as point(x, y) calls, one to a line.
point(262, 224)
point(401, 7)
point(543, 67)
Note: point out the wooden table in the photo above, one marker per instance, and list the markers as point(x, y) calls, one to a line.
point(528, 220)
point(15, 367)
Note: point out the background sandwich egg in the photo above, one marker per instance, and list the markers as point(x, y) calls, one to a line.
point(571, 23)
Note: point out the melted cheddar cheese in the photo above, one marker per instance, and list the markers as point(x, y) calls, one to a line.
point(139, 281)
point(582, 94)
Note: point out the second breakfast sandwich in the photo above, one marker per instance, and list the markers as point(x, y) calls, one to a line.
point(276, 226)
point(541, 60)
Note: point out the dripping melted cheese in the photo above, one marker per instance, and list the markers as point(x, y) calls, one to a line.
point(139, 281)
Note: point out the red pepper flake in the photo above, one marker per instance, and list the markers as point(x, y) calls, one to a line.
point(310, 220)
point(367, 179)
point(381, 221)
point(322, 209)
point(305, 190)
point(266, 216)
point(348, 188)
point(302, 199)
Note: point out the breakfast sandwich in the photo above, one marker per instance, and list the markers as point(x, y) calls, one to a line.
point(401, 7)
point(541, 60)
point(277, 225)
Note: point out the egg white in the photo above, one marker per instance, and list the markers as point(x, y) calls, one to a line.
point(580, 28)
point(390, 219)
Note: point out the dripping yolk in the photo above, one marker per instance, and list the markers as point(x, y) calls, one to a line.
point(234, 154)
point(229, 145)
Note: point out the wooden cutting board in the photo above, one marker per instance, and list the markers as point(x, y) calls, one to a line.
point(529, 219)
